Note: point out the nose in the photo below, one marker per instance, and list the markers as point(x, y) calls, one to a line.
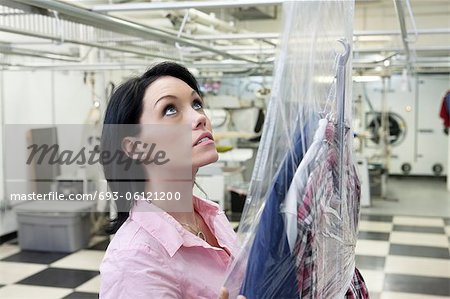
point(198, 120)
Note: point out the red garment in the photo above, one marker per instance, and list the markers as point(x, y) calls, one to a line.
point(358, 289)
point(444, 113)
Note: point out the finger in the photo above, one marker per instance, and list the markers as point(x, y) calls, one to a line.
point(223, 293)
point(240, 297)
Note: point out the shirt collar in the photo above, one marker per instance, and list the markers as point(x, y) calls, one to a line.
point(164, 228)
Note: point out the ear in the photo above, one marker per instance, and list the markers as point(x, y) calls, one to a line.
point(133, 147)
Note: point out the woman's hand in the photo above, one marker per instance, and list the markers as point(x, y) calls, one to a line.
point(224, 294)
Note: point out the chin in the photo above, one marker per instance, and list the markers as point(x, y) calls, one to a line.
point(205, 159)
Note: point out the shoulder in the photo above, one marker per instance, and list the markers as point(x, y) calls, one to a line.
point(132, 241)
point(136, 266)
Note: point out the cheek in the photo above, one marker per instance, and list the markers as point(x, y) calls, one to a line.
point(208, 124)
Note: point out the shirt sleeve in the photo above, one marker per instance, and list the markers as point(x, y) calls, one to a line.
point(137, 273)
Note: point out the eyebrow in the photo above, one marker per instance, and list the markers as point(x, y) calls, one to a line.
point(172, 97)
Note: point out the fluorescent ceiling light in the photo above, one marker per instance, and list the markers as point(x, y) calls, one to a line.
point(372, 38)
point(366, 78)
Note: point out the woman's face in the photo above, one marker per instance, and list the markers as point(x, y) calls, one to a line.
point(170, 100)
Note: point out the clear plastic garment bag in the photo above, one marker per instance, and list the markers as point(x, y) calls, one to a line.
point(298, 230)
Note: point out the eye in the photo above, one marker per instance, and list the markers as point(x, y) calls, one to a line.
point(169, 110)
point(197, 105)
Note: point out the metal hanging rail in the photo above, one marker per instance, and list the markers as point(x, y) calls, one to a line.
point(121, 26)
point(39, 24)
point(183, 5)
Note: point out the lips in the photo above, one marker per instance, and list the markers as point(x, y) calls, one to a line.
point(204, 137)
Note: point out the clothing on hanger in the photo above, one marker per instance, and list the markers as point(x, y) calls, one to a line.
point(445, 110)
point(271, 261)
point(327, 224)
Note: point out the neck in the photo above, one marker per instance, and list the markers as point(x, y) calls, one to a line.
point(183, 210)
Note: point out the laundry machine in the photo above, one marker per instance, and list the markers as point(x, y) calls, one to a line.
point(417, 144)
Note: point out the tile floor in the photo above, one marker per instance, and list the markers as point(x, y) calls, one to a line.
point(405, 257)
point(45, 275)
point(400, 258)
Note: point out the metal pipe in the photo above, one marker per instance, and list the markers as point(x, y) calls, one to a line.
point(122, 26)
point(237, 36)
point(202, 18)
point(96, 45)
point(402, 22)
point(183, 5)
point(120, 66)
point(266, 50)
point(206, 19)
point(401, 18)
point(395, 67)
point(7, 49)
point(420, 49)
point(401, 65)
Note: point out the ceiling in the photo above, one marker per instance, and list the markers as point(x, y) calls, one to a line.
point(229, 37)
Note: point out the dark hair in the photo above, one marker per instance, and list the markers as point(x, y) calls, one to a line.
point(125, 107)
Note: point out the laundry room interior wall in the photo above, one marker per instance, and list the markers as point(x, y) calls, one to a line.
point(418, 109)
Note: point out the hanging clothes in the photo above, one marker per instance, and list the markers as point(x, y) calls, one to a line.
point(444, 113)
point(270, 256)
point(358, 288)
point(289, 208)
point(314, 194)
point(287, 246)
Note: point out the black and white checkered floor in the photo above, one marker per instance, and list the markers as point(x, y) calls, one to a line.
point(399, 257)
point(405, 257)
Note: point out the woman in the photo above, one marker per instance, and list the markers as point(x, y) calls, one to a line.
point(165, 253)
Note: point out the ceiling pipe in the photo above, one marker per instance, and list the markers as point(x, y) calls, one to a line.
point(120, 49)
point(237, 36)
point(8, 50)
point(122, 26)
point(396, 32)
point(256, 50)
point(198, 17)
point(183, 5)
point(130, 65)
point(401, 18)
point(209, 20)
point(419, 49)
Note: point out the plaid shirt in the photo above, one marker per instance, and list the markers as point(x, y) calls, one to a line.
point(323, 237)
point(358, 289)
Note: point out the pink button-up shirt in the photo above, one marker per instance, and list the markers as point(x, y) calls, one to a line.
point(153, 256)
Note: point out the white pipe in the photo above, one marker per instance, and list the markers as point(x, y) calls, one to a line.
point(206, 19)
point(200, 29)
point(223, 66)
point(266, 50)
point(183, 5)
point(78, 42)
point(424, 49)
point(276, 35)
point(121, 26)
point(245, 47)
point(401, 18)
point(238, 36)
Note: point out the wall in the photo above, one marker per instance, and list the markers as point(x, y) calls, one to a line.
point(424, 143)
point(44, 97)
